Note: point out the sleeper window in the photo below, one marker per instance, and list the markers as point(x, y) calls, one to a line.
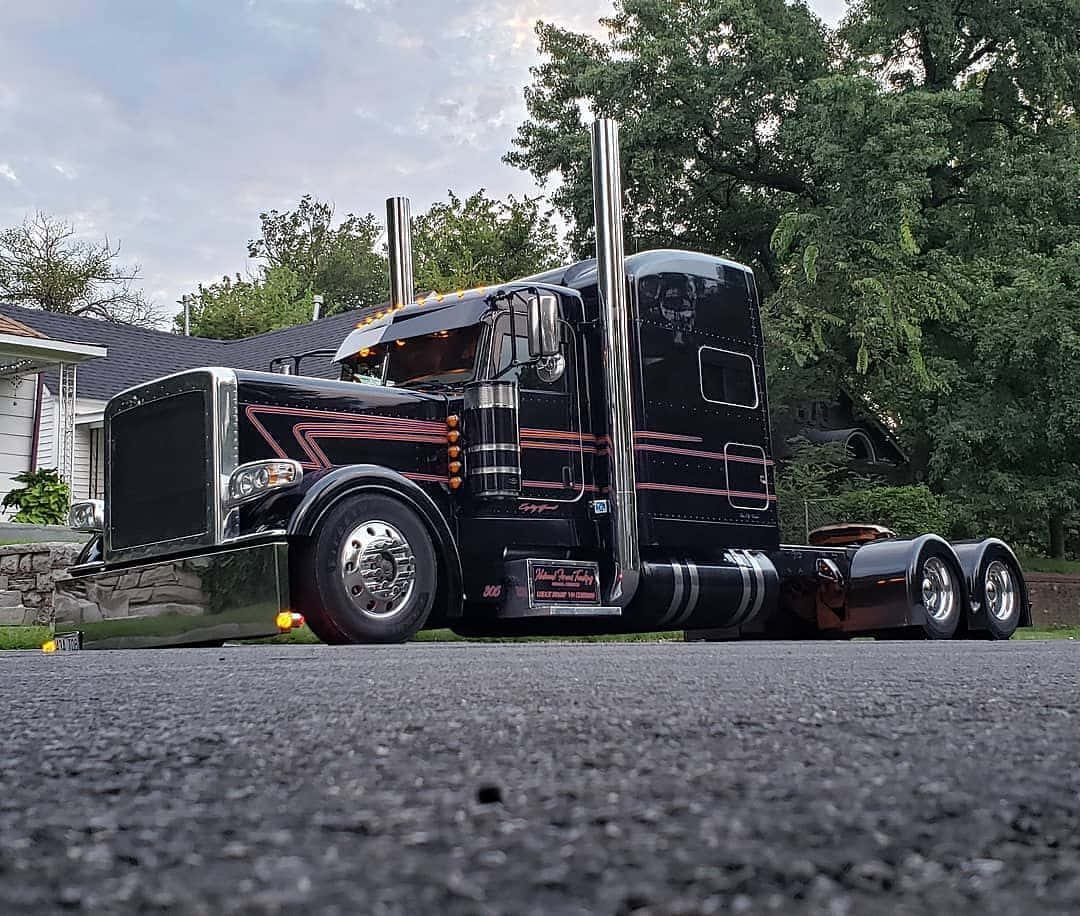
point(728, 378)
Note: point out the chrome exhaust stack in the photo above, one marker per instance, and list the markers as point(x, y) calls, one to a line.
point(615, 325)
point(399, 250)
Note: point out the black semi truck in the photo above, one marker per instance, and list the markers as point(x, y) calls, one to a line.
point(583, 451)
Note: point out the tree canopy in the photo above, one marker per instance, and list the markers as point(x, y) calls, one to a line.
point(478, 241)
point(243, 306)
point(459, 243)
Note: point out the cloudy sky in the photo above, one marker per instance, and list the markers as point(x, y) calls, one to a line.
point(170, 124)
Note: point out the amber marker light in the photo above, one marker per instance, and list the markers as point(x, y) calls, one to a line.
point(49, 646)
point(453, 420)
point(455, 483)
point(400, 343)
point(289, 620)
point(454, 451)
point(454, 467)
point(453, 436)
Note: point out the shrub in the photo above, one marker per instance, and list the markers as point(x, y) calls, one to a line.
point(909, 511)
point(43, 499)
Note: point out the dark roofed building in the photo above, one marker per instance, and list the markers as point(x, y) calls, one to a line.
point(137, 355)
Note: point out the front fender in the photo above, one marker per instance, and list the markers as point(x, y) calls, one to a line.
point(366, 478)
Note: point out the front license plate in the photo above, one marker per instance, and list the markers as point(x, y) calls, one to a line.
point(68, 642)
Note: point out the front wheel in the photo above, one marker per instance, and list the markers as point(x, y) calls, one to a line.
point(369, 574)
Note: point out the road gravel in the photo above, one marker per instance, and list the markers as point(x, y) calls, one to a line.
point(861, 777)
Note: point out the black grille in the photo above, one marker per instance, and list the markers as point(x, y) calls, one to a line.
point(159, 476)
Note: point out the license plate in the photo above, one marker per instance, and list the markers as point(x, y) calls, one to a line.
point(68, 642)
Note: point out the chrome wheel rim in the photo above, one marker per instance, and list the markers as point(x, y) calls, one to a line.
point(938, 589)
point(999, 586)
point(378, 569)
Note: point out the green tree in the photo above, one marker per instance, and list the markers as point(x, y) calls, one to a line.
point(339, 262)
point(699, 87)
point(240, 307)
point(44, 264)
point(476, 241)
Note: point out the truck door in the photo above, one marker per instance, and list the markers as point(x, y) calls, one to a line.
point(554, 442)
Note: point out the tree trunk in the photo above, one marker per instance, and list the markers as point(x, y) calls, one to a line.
point(1057, 537)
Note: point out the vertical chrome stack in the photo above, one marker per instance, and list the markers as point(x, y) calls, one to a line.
point(615, 322)
point(399, 249)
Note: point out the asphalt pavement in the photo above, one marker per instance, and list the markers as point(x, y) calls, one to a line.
point(544, 778)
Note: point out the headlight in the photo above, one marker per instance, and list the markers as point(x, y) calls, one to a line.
point(252, 480)
point(87, 515)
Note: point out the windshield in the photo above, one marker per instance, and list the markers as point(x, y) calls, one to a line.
point(442, 358)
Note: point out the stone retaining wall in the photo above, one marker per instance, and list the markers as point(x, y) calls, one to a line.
point(27, 573)
point(1055, 599)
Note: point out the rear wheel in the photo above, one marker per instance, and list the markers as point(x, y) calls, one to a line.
point(369, 574)
point(939, 592)
point(1001, 597)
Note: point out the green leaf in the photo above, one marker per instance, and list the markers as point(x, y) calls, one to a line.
point(809, 263)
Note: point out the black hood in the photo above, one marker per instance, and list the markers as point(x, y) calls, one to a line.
point(324, 424)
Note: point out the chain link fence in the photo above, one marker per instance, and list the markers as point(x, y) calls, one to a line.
point(798, 517)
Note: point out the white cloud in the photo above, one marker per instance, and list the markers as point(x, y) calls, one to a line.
point(6, 171)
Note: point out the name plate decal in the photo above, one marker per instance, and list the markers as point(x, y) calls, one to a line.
point(563, 582)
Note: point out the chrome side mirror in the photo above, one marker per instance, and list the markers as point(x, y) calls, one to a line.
point(544, 326)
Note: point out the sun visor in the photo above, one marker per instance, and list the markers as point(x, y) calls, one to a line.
point(414, 321)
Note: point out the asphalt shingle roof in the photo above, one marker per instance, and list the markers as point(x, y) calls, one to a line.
point(138, 355)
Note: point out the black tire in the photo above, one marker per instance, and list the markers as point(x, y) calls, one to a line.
point(939, 591)
point(1002, 615)
point(368, 574)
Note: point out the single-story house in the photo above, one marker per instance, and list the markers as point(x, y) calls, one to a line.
point(35, 388)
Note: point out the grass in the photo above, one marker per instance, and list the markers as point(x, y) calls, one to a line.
point(33, 637)
point(1046, 565)
point(23, 637)
point(1049, 633)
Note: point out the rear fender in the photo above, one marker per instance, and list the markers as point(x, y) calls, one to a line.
point(369, 478)
point(883, 590)
point(974, 556)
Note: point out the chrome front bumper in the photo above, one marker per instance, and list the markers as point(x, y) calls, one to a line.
point(207, 598)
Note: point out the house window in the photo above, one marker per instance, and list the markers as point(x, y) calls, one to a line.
point(728, 378)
